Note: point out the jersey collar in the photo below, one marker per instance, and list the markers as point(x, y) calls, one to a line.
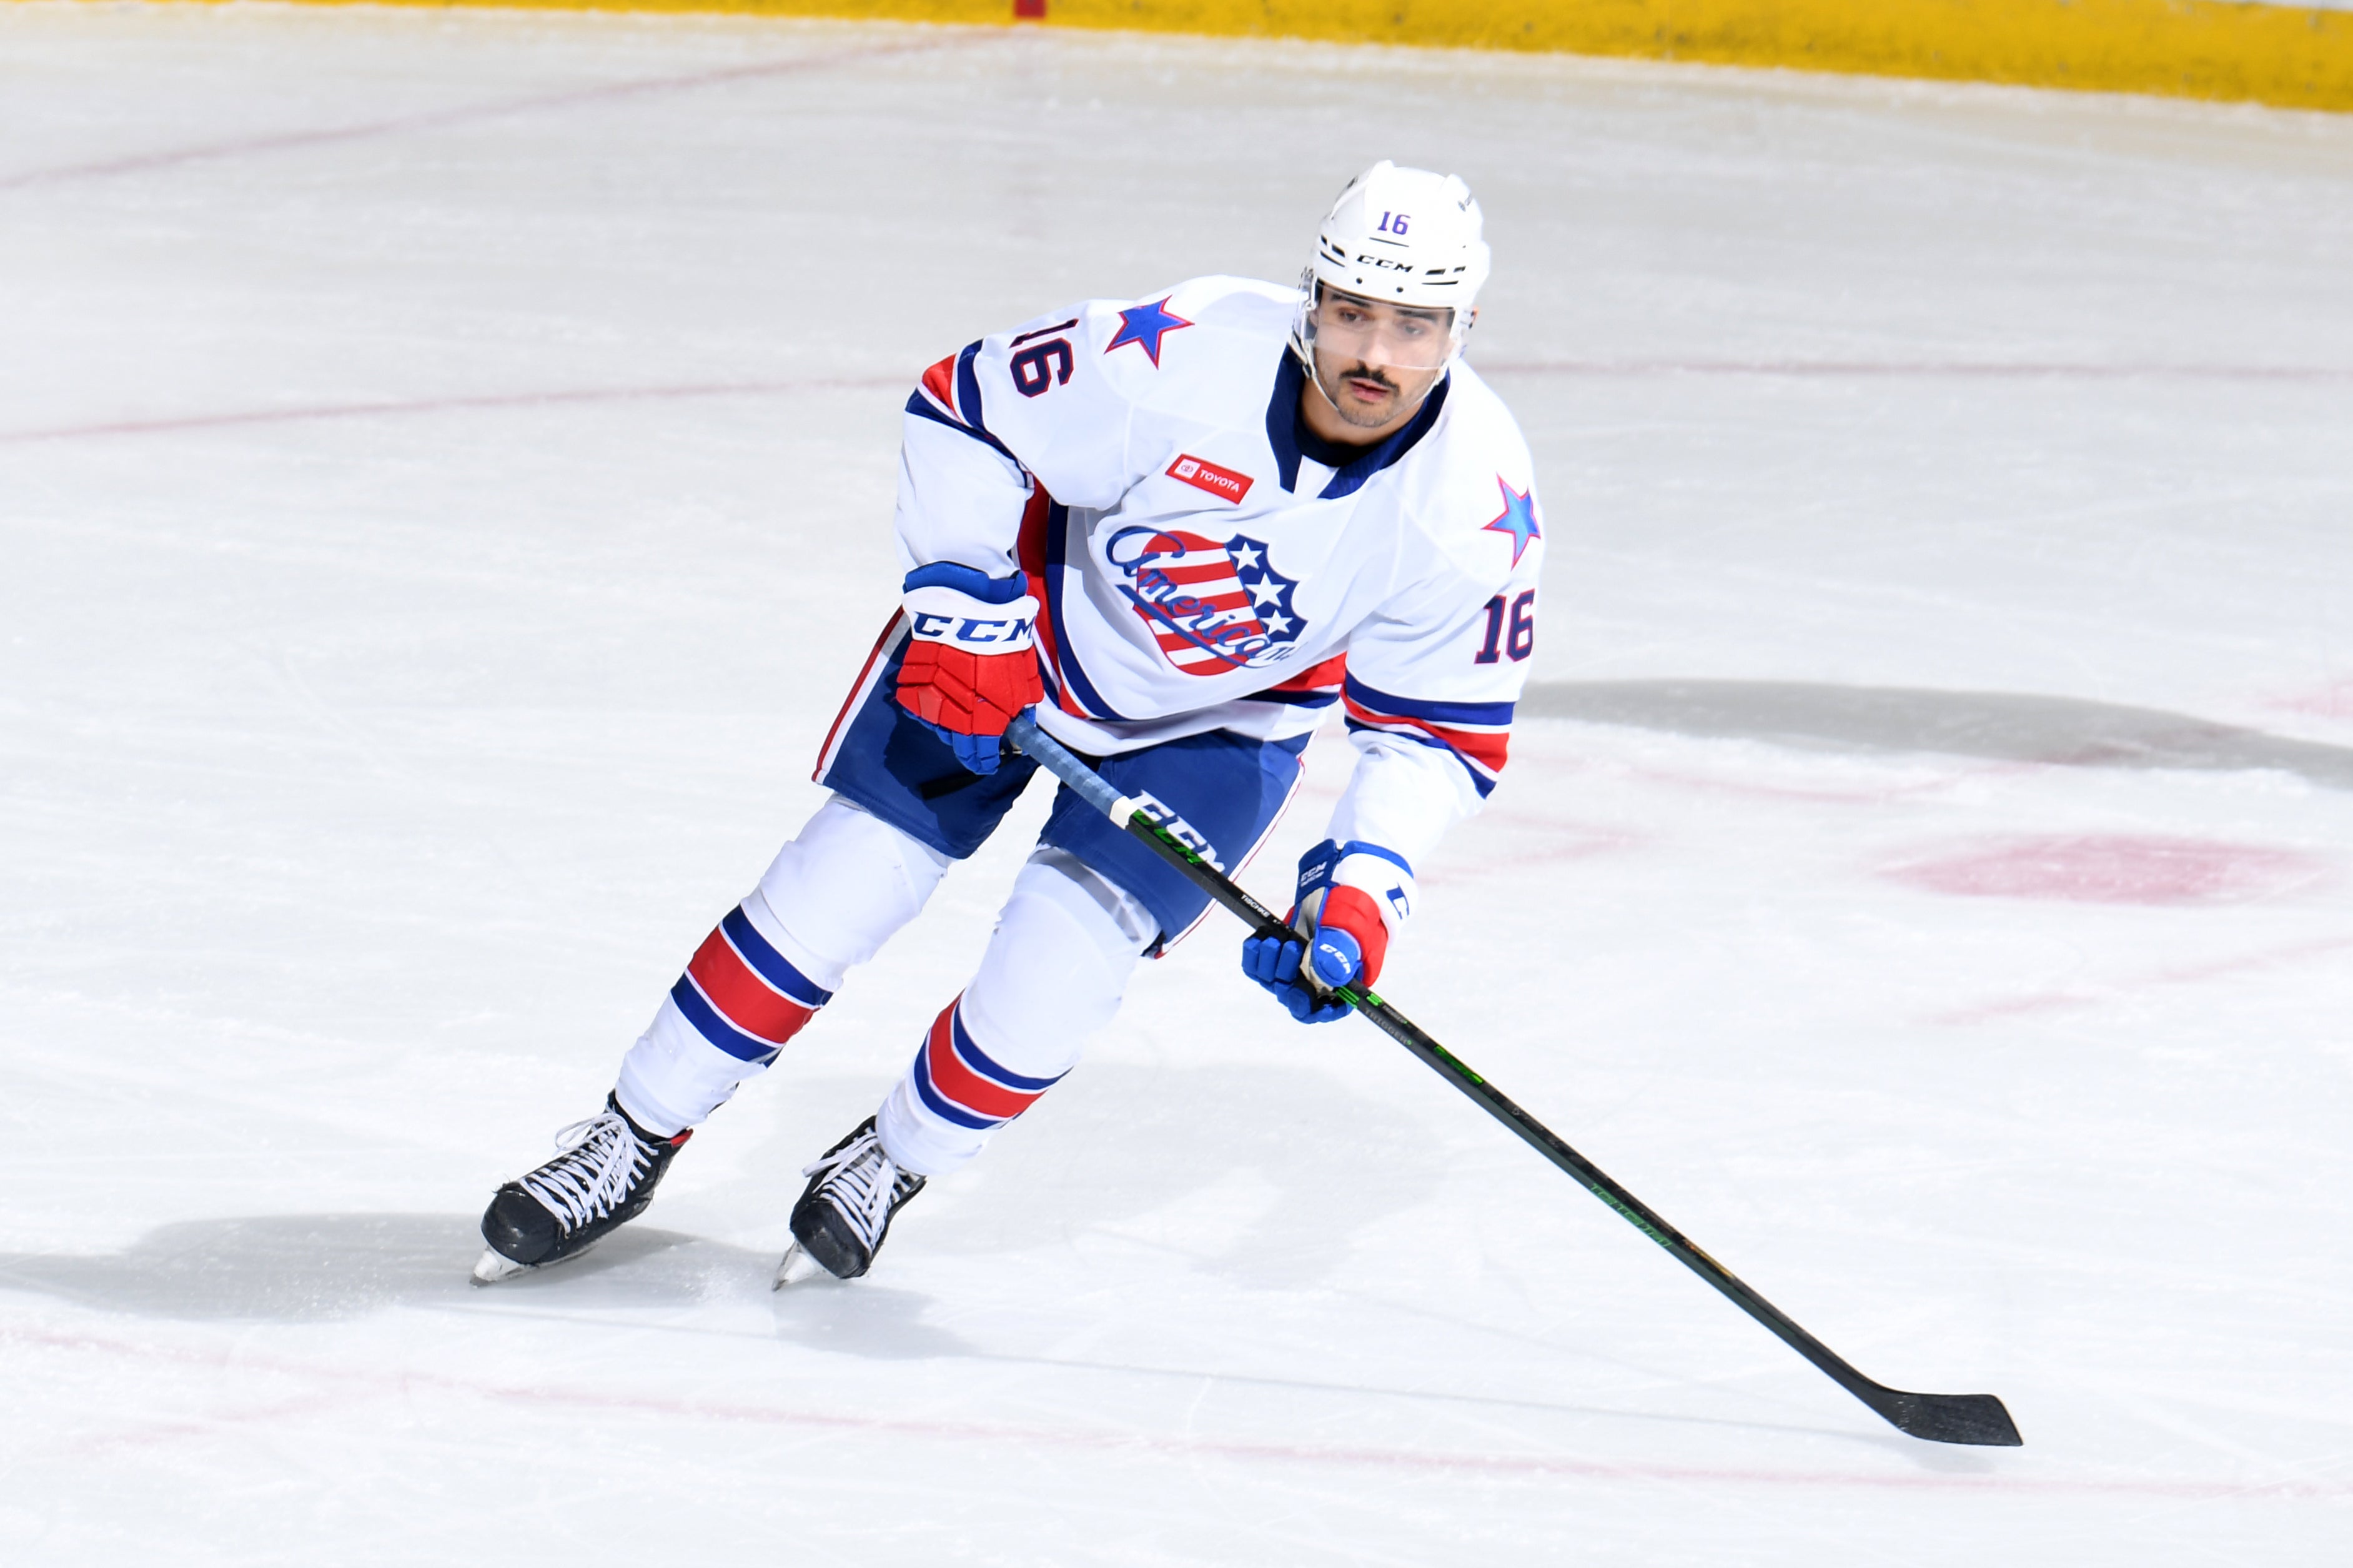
point(1285, 434)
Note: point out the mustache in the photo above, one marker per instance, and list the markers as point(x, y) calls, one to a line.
point(1366, 371)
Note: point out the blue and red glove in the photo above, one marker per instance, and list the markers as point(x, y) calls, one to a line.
point(1352, 899)
point(969, 671)
point(1273, 962)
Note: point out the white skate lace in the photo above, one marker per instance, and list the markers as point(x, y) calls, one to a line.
point(861, 1182)
point(600, 1161)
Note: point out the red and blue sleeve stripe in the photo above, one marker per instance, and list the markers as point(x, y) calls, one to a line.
point(949, 393)
point(743, 995)
point(958, 1083)
point(1478, 734)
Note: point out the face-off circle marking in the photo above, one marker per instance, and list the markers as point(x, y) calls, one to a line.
point(2109, 868)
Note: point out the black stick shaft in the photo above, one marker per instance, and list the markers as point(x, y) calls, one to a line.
point(1963, 1418)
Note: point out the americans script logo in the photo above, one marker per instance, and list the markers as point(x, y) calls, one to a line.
point(1211, 607)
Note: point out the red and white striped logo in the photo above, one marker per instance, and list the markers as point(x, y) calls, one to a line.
point(1212, 607)
point(1222, 482)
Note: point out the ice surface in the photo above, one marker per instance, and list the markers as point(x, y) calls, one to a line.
point(444, 472)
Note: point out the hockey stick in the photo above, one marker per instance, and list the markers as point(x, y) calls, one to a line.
point(1976, 1418)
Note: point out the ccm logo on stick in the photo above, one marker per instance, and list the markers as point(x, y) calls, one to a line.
point(1183, 832)
point(1222, 482)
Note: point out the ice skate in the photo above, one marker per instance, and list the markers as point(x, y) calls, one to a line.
point(604, 1175)
point(845, 1211)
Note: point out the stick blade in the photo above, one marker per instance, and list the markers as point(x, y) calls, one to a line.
point(1978, 1419)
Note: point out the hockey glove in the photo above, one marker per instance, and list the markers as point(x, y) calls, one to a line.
point(1352, 899)
point(1273, 962)
point(969, 671)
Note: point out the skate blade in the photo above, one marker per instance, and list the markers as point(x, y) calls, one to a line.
point(490, 1268)
point(797, 1265)
point(493, 1268)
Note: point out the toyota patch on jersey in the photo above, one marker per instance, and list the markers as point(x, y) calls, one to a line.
point(1222, 482)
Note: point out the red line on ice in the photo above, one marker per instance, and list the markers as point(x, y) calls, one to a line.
point(2189, 974)
point(2332, 701)
point(1098, 1440)
point(1837, 369)
point(282, 141)
point(2172, 974)
point(396, 407)
point(211, 1425)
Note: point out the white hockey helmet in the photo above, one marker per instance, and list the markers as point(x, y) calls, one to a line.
point(1405, 235)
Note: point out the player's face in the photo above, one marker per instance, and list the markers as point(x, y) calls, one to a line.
point(1377, 360)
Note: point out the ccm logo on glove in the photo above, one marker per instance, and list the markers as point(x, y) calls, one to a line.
point(969, 671)
point(1352, 899)
point(933, 626)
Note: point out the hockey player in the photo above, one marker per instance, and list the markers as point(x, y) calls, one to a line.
point(1180, 530)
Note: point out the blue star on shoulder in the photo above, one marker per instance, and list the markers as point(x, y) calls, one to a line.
point(1147, 324)
point(1519, 519)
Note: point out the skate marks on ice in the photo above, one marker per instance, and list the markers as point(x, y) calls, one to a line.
point(1999, 727)
point(871, 1322)
point(1277, 1186)
point(1195, 1186)
point(323, 1267)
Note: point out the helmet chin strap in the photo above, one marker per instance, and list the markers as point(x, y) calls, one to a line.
point(1315, 380)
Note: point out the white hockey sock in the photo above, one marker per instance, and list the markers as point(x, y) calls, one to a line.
point(1053, 974)
point(827, 902)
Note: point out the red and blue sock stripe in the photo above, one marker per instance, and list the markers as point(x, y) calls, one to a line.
point(958, 1083)
point(743, 995)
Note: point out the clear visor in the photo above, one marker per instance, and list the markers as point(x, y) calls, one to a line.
point(1341, 330)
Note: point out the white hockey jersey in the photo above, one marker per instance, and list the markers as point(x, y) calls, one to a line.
point(1199, 568)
